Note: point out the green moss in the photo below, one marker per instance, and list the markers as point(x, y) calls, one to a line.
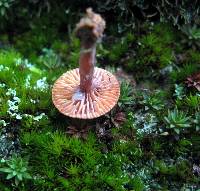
point(152, 51)
point(73, 59)
point(156, 48)
point(60, 47)
point(3, 106)
point(73, 157)
point(179, 169)
point(193, 57)
point(180, 74)
point(126, 149)
point(120, 48)
point(34, 41)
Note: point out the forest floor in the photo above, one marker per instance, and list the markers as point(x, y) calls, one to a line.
point(149, 141)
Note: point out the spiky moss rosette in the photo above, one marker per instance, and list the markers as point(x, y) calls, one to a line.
point(87, 92)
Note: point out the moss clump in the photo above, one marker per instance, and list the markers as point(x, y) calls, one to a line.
point(154, 50)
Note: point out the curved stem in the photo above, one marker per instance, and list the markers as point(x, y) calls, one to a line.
point(86, 67)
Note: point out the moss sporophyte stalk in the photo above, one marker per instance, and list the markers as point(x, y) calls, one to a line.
point(87, 92)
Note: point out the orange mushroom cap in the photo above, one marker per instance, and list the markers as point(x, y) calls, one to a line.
point(70, 101)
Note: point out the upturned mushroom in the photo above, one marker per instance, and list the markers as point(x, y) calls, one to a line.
point(87, 92)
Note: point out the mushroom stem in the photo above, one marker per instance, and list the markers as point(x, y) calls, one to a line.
point(89, 30)
point(86, 67)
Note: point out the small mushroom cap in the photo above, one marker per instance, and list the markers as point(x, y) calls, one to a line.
point(70, 101)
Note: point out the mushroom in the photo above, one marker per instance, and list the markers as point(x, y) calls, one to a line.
point(86, 92)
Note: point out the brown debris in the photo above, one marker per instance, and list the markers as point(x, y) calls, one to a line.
point(194, 81)
point(120, 118)
point(77, 132)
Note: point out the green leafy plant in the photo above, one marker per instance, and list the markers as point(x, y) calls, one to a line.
point(126, 94)
point(16, 168)
point(181, 73)
point(193, 101)
point(137, 184)
point(180, 168)
point(196, 121)
point(193, 34)
point(4, 7)
point(73, 58)
point(184, 145)
point(50, 59)
point(61, 48)
point(153, 101)
point(179, 91)
point(177, 120)
point(192, 31)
